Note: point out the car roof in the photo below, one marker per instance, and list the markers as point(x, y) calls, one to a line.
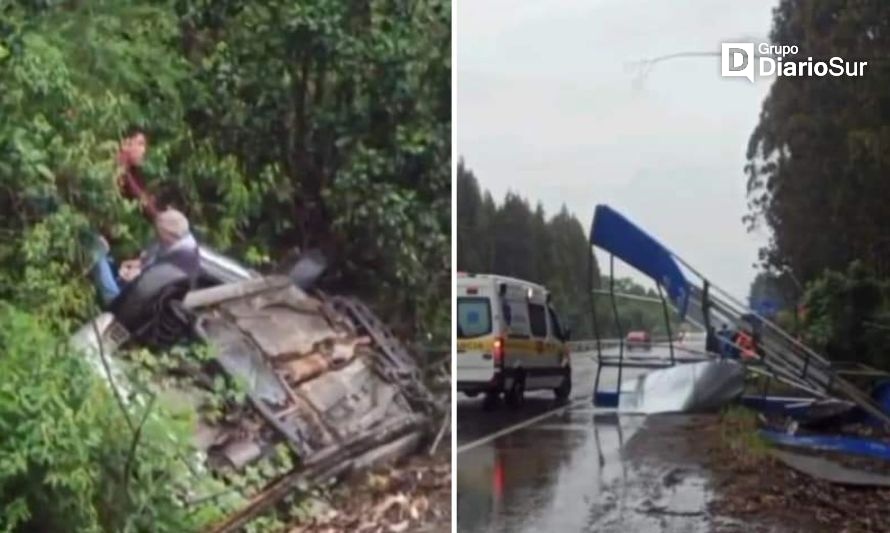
point(497, 278)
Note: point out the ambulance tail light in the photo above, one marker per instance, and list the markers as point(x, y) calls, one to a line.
point(497, 351)
point(497, 478)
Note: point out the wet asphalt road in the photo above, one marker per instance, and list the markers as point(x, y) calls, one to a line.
point(562, 469)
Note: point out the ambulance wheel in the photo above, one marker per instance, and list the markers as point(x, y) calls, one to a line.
point(516, 395)
point(490, 402)
point(565, 388)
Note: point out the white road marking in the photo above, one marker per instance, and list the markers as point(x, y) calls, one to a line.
point(587, 399)
point(516, 427)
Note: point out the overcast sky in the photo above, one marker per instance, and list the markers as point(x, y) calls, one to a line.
point(550, 105)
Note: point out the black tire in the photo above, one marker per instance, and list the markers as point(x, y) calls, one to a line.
point(565, 388)
point(515, 396)
point(136, 305)
point(490, 402)
point(471, 393)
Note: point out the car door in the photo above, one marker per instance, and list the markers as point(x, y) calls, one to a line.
point(542, 359)
point(475, 329)
point(559, 338)
point(519, 345)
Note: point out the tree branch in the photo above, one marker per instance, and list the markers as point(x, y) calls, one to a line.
point(135, 441)
point(107, 367)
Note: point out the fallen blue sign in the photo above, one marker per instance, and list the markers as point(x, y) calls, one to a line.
point(831, 443)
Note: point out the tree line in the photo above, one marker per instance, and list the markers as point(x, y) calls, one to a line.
point(511, 238)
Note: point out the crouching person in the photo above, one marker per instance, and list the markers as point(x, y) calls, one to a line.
point(174, 245)
point(146, 297)
point(149, 306)
point(174, 254)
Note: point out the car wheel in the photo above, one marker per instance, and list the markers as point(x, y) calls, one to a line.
point(565, 388)
point(516, 395)
point(471, 394)
point(490, 402)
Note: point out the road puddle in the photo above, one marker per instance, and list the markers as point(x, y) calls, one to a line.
point(575, 471)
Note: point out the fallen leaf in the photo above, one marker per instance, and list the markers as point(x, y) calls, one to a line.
point(384, 506)
point(378, 483)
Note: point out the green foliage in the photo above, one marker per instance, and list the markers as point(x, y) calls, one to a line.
point(817, 160)
point(817, 176)
point(848, 315)
point(271, 125)
point(72, 82)
point(68, 462)
point(342, 111)
point(320, 123)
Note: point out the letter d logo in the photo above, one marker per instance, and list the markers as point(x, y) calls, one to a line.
point(737, 60)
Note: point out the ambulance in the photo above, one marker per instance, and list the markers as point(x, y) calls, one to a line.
point(509, 340)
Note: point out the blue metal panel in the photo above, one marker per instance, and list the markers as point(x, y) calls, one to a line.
point(833, 443)
point(605, 399)
point(620, 237)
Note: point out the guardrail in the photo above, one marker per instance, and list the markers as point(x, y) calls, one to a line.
point(586, 345)
point(589, 345)
point(692, 345)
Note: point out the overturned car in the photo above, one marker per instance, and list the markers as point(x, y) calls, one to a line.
point(321, 374)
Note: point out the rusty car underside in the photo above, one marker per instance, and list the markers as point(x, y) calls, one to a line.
point(321, 375)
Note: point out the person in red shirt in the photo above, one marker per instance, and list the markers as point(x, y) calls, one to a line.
point(130, 181)
point(131, 184)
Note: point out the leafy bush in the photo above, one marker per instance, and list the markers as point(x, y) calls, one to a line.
point(69, 460)
point(848, 315)
point(317, 123)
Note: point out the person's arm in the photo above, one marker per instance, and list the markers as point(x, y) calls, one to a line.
point(149, 255)
point(131, 187)
point(103, 278)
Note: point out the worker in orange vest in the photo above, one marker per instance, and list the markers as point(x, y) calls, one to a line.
point(745, 342)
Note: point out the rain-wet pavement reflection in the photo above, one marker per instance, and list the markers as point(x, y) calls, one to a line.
point(571, 471)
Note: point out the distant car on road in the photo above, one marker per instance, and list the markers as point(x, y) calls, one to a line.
point(638, 339)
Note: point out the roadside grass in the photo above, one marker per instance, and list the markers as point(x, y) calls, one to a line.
point(738, 435)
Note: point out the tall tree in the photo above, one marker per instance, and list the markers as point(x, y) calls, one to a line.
point(470, 254)
point(817, 175)
point(817, 160)
point(540, 237)
point(514, 253)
